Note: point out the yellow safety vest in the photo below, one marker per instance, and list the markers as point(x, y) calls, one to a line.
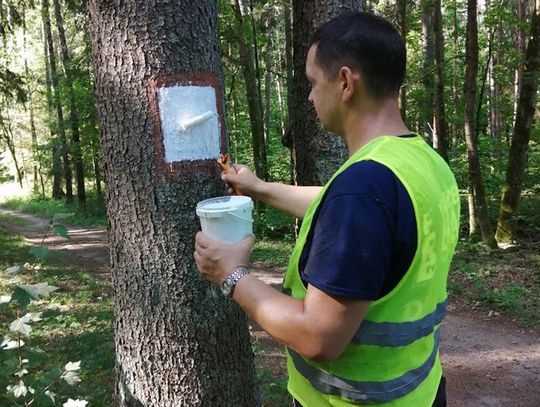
point(393, 358)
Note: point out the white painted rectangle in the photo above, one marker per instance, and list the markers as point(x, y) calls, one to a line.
point(190, 123)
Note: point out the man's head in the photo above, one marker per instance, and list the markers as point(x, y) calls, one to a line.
point(367, 44)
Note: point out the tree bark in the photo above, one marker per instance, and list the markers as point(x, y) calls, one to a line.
point(36, 157)
point(428, 82)
point(56, 101)
point(317, 153)
point(517, 161)
point(247, 61)
point(475, 175)
point(178, 341)
point(7, 135)
point(521, 48)
point(56, 192)
point(268, 61)
point(455, 98)
point(494, 79)
point(440, 138)
point(73, 113)
point(401, 17)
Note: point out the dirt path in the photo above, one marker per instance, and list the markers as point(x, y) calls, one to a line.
point(488, 359)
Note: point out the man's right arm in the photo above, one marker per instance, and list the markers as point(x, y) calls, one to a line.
point(291, 199)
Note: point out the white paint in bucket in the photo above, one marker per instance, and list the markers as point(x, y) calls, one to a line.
point(226, 218)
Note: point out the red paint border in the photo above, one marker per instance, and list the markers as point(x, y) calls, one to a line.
point(167, 170)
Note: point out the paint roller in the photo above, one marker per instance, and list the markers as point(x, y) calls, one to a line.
point(189, 123)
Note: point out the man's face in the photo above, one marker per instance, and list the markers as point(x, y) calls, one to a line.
point(324, 92)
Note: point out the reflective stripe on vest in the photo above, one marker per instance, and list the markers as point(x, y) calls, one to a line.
point(399, 333)
point(370, 392)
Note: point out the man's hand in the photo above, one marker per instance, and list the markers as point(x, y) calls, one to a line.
point(243, 181)
point(217, 260)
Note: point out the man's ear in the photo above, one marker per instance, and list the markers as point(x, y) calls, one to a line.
point(348, 82)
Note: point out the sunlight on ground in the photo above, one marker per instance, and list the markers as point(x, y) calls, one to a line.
point(11, 190)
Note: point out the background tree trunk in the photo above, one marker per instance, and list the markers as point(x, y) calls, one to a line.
point(253, 93)
point(36, 157)
point(428, 82)
point(73, 113)
point(517, 161)
point(53, 143)
point(7, 135)
point(318, 153)
point(179, 342)
point(475, 175)
point(401, 15)
point(440, 139)
point(57, 103)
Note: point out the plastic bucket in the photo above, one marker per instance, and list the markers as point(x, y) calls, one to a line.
point(226, 218)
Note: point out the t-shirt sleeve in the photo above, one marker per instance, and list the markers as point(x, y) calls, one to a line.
point(350, 255)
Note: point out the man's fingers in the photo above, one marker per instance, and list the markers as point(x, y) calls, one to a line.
point(203, 240)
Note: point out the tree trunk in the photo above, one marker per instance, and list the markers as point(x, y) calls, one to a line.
point(96, 159)
point(401, 17)
point(268, 60)
point(494, 93)
point(53, 143)
point(57, 103)
point(520, 45)
point(7, 135)
point(178, 341)
point(440, 142)
point(35, 150)
point(247, 61)
point(428, 82)
point(317, 153)
point(517, 161)
point(73, 113)
point(475, 175)
point(287, 140)
point(455, 103)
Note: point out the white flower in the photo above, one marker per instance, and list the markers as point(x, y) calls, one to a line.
point(71, 377)
point(20, 325)
point(72, 366)
point(75, 403)
point(8, 344)
point(21, 372)
point(18, 390)
point(50, 395)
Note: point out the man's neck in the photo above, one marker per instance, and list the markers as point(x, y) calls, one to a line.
point(372, 120)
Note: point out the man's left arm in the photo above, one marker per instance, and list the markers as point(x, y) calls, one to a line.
point(318, 327)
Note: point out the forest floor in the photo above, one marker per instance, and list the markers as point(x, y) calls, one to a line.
point(489, 359)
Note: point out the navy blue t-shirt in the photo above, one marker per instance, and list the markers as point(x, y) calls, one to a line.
point(363, 235)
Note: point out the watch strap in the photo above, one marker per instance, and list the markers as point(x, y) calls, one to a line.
point(233, 279)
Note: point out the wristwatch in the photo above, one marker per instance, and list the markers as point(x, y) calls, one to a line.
point(227, 287)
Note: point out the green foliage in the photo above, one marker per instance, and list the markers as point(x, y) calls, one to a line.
point(273, 389)
point(272, 252)
point(76, 324)
point(273, 224)
point(505, 280)
point(92, 214)
point(272, 385)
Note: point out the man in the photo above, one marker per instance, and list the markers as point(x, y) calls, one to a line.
point(365, 290)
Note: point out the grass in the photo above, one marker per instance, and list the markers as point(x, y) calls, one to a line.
point(92, 214)
point(14, 219)
point(272, 251)
point(506, 280)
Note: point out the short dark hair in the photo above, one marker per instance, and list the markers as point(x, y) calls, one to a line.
point(365, 42)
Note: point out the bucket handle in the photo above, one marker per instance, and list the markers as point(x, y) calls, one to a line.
point(239, 217)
